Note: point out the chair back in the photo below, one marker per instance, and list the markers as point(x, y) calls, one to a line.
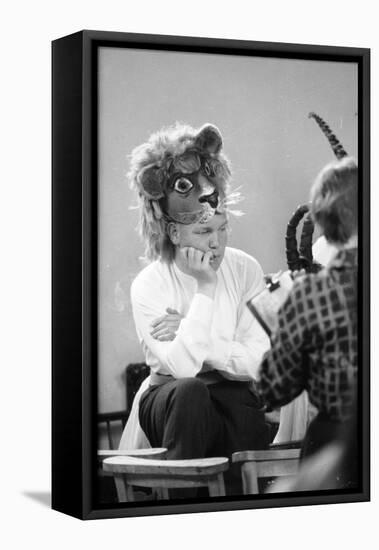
point(114, 423)
point(135, 374)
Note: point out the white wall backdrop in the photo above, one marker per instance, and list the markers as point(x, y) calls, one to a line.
point(261, 106)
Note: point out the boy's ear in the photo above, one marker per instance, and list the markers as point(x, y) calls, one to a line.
point(173, 233)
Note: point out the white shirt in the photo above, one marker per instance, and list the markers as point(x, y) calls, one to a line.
point(221, 332)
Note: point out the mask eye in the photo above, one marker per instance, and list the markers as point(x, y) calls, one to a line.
point(183, 185)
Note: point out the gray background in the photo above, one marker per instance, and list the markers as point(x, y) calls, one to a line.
point(261, 107)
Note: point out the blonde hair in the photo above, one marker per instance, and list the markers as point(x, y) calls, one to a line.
point(334, 197)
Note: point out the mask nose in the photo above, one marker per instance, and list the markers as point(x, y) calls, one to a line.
point(212, 199)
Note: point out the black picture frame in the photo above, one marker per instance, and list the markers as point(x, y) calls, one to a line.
point(75, 279)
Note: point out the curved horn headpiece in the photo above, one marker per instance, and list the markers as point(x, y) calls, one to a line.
point(303, 258)
point(335, 144)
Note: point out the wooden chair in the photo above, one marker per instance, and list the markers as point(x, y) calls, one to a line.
point(163, 475)
point(110, 429)
point(270, 463)
point(114, 425)
point(115, 421)
point(108, 485)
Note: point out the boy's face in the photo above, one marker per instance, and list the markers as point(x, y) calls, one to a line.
point(210, 236)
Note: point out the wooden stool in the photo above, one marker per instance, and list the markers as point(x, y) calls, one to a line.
point(153, 453)
point(166, 474)
point(270, 463)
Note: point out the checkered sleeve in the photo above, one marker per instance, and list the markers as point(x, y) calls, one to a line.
point(282, 372)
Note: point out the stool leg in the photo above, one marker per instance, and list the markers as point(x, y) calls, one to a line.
point(221, 484)
point(249, 478)
point(122, 492)
point(216, 486)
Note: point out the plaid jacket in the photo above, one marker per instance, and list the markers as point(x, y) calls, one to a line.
point(315, 346)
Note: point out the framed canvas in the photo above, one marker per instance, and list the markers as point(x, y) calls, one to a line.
point(266, 118)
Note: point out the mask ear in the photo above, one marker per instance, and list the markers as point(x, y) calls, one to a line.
point(150, 180)
point(209, 139)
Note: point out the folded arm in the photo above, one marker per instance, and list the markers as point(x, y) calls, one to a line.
point(184, 355)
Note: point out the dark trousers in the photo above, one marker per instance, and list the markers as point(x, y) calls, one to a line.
point(193, 419)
